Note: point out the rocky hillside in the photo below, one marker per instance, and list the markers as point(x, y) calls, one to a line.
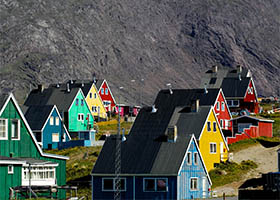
point(160, 41)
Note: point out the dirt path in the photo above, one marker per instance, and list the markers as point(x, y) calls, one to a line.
point(266, 158)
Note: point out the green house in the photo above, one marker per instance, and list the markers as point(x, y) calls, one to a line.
point(22, 162)
point(70, 102)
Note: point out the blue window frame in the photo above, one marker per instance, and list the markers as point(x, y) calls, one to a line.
point(77, 102)
point(109, 184)
point(155, 184)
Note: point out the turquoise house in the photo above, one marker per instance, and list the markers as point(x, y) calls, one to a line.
point(47, 126)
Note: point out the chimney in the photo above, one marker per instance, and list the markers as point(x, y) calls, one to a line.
point(195, 105)
point(41, 88)
point(57, 85)
point(71, 81)
point(68, 87)
point(154, 109)
point(205, 88)
point(239, 77)
point(83, 83)
point(214, 68)
point(170, 88)
point(172, 133)
point(94, 78)
point(239, 68)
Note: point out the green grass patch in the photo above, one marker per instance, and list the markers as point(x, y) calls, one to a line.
point(229, 172)
point(240, 145)
point(112, 127)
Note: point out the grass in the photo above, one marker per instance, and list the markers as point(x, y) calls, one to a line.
point(226, 173)
point(243, 144)
point(111, 127)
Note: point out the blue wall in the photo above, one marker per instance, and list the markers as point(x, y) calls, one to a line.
point(50, 129)
point(189, 171)
point(138, 193)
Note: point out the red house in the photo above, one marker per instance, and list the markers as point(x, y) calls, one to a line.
point(238, 87)
point(245, 127)
point(106, 95)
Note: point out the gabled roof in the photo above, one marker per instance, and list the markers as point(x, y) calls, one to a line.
point(53, 95)
point(4, 99)
point(233, 87)
point(261, 119)
point(98, 83)
point(85, 85)
point(38, 115)
point(146, 150)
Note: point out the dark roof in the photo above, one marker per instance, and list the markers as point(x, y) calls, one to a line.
point(146, 150)
point(98, 83)
point(233, 87)
point(3, 99)
point(32, 161)
point(52, 96)
point(85, 85)
point(37, 116)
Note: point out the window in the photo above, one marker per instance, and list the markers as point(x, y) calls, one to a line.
point(189, 158)
point(223, 106)
point(214, 126)
point(82, 102)
point(236, 103)
point(95, 95)
point(77, 102)
point(195, 158)
point(110, 184)
point(106, 91)
point(64, 137)
point(213, 148)
point(218, 105)
point(90, 95)
point(155, 185)
point(93, 108)
point(3, 129)
point(57, 121)
point(80, 117)
point(226, 123)
point(10, 169)
point(102, 90)
point(208, 126)
point(194, 183)
point(222, 123)
point(45, 175)
point(233, 103)
point(51, 120)
point(15, 125)
point(55, 137)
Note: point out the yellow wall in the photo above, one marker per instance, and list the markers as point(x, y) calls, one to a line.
point(208, 137)
point(96, 102)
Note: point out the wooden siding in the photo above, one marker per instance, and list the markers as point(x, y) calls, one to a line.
point(224, 115)
point(192, 171)
point(25, 147)
point(107, 97)
point(74, 124)
point(265, 129)
point(50, 129)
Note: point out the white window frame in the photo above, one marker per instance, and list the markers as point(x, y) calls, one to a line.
point(81, 117)
point(218, 105)
point(196, 180)
point(114, 185)
point(47, 172)
point(214, 126)
point(223, 106)
point(189, 159)
point(102, 90)
point(195, 158)
point(208, 126)
point(18, 129)
point(6, 130)
point(57, 135)
point(155, 184)
point(212, 145)
point(222, 123)
point(106, 91)
point(57, 121)
point(10, 169)
point(51, 120)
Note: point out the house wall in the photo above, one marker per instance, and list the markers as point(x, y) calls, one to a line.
point(25, 147)
point(50, 129)
point(134, 193)
point(74, 124)
point(107, 97)
point(208, 137)
point(192, 171)
point(224, 115)
point(265, 129)
point(96, 102)
point(251, 98)
point(9, 180)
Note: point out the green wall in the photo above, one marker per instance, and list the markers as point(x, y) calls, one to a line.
point(74, 124)
point(25, 147)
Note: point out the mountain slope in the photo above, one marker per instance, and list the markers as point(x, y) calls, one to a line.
point(161, 41)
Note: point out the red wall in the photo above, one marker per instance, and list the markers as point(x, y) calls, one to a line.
point(107, 97)
point(222, 114)
point(251, 97)
point(265, 129)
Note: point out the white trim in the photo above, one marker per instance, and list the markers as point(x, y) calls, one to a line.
point(18, 129)
point(189, 162)
point(205, 123)
point(11, 96)
point(6, 129)
point(223, 106)
point(195, 155)
point(215, 148)
point(255, 91)
point(224, 99)
point(109, 90)
point(12, 169)
point(197, 186)
point(261, 120)
point(97, 95)
point(12, 162)
point(217, 103)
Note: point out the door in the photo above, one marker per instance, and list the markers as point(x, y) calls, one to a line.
point(204, 187)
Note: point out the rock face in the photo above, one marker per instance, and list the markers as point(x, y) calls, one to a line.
point(160, 41)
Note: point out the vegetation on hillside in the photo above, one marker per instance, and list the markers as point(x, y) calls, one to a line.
point(111, 127)
point(229, 172)
point(243, 144)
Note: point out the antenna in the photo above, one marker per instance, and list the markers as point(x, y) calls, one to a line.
point(170, 86)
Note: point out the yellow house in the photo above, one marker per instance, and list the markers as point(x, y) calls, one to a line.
point(212, 144)
point(93, 98)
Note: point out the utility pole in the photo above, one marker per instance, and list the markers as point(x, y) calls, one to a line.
point(117, 191)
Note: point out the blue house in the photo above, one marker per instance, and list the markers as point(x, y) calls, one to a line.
point(160, 159)
point(47, 126)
